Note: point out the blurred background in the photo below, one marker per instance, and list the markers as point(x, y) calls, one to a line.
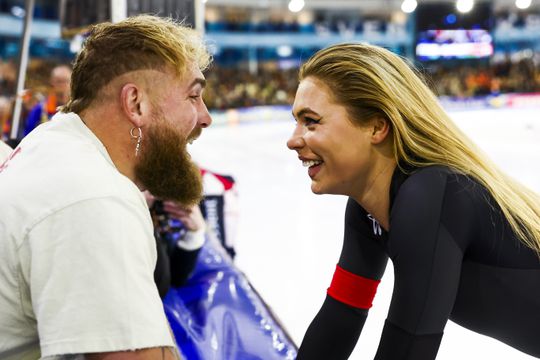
point(481, 58)
point(465, 48)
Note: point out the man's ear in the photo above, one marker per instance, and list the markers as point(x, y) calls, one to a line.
point(135, 104)
point(381, 129)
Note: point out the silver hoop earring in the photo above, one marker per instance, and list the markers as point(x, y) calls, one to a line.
point(138, 137)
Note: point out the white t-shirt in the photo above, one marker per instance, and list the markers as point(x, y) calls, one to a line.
point(77, 251)
point(5, 150)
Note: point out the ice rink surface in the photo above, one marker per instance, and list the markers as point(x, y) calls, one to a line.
point(289, 239)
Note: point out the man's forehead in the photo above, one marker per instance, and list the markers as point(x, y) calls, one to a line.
point(192, 74)
point(193, 78)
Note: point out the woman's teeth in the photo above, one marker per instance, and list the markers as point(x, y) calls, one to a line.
point(311, 163)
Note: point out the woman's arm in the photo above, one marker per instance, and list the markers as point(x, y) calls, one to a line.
point(335, 330)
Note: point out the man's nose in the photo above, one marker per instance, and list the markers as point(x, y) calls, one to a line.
point(205, 120)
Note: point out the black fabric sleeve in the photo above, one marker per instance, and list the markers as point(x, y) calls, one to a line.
point(173, 266)
point(397, 343)
point(427, 268)
point(162, 272)
point(335, 330)
point(363, 250)
point(333, 333)
point(182, 264)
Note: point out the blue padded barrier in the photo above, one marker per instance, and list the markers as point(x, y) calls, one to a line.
point(218, 315)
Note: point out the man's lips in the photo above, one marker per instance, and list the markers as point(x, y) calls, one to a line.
point(194, 135)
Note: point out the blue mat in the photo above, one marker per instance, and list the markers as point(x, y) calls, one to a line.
point(218, 315)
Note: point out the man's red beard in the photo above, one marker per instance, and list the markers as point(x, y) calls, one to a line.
point(165, 167)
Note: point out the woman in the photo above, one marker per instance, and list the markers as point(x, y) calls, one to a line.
point(463, 237)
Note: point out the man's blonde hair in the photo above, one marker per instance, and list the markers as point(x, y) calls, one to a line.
point(371, 81)
point(136, 43)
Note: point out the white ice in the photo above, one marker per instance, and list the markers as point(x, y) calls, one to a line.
point(289, 239)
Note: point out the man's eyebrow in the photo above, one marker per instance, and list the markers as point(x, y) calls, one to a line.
point(304, 111)
point(199, 81)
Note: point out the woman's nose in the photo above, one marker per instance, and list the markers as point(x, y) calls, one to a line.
point(296, 141)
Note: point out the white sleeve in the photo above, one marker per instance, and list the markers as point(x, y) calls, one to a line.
point(192, 240)
point(91, 279)
point(5, 151)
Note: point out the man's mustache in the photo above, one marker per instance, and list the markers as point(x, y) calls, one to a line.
point(194, 134)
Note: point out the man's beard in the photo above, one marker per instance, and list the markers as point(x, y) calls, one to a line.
point(165, 167)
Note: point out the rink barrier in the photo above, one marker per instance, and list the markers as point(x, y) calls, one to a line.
point(219, 315)
point(255, 114)
point(515, 101)
point(266, 114)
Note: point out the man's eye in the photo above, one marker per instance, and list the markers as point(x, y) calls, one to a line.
point(310, 121)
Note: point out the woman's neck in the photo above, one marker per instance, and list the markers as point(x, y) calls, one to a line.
point(375, 198)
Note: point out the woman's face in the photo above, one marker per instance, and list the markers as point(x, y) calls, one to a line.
point(336, 153)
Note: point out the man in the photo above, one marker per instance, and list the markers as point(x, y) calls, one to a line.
point(5, 150)
point(77, 251)
point(58, 95)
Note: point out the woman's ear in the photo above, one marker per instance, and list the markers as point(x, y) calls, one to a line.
point(381, 129)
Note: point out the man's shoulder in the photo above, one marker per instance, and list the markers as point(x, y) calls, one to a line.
point(59, 163)
point(60, 152)
point(38, 180)
point(5, 150)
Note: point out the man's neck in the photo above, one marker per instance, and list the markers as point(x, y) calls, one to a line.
point(113, 132)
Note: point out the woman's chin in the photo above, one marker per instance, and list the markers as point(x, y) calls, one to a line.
point(317, 189)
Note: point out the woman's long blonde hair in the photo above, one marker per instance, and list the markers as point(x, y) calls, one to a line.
point(371, 81)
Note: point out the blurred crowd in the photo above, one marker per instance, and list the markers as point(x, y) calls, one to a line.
point(236, 88)
point(350, 21)
point(223, 19)
point(232, 88)
point(46, 87)
point(505, 76)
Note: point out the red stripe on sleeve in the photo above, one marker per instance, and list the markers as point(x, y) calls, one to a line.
point(351, 289)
